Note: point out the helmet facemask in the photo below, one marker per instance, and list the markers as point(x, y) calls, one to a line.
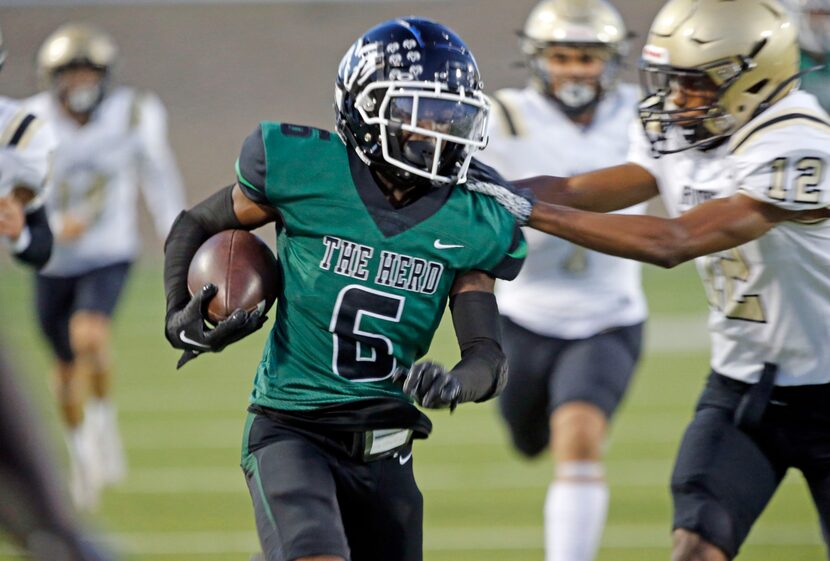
point(721, 63)
point(702, 126)
point(84, 96)
point(424, 129)
point(572, 92)
point(409, 101)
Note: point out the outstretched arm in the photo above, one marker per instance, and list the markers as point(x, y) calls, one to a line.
point(713, 226)
point(482, 371)
point(604, 190)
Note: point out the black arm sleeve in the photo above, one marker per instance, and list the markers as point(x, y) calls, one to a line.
point(190, 230)
point(482, 370)
point(40, 248)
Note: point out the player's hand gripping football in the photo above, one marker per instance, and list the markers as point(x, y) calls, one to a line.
point(186, 328)
point(430, 385)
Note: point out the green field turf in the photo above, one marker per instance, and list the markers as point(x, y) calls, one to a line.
point(185, 497)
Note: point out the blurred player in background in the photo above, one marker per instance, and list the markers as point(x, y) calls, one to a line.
point(33, 511)
point(813, 17)
point(25, 148)
point(375, 235)
point(740, 157)
point(573, 318)
point(110, 141)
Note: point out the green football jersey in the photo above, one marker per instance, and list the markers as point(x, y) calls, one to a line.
point(364, 284)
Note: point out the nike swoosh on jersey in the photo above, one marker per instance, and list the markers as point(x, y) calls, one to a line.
point(403, 459)
point(185, 339)
point(439, 245)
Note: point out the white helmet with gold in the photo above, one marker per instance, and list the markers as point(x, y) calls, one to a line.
point(77, 45)
point(746, 50)
point(589, 24)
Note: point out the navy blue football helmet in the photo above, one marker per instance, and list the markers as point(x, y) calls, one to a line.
point(409, 100)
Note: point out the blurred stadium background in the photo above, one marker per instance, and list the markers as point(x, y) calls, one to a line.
point(221, 67)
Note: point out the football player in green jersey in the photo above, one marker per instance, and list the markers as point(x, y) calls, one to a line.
point(376, 231)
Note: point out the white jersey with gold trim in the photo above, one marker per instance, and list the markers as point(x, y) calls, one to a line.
point(564, 291)
point(26, 144)
point(769, 298)
point(97, 171)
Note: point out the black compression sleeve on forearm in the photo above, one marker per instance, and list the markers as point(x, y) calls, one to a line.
point(189, 231)
point(40, 246)
point(482, 370)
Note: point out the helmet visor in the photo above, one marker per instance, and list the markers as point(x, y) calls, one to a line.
point(454, 120)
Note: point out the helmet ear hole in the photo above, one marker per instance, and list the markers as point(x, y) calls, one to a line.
point(758, 86)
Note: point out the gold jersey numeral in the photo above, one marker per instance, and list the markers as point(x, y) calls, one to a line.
point(806, 182)
point(725, 271)
point(90, 202)
point(576, 262)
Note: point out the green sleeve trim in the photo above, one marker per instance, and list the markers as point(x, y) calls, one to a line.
point(245, 181)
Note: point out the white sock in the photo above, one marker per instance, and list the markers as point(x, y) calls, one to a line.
point(83, 475)
point(103, 417)
point(575, 511)
point(77, 444)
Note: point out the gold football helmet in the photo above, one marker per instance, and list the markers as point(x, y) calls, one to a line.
point(746, 50)
point(75, 44)
point(591, 24)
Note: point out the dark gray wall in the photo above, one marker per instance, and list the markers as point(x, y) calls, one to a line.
point(220, 69)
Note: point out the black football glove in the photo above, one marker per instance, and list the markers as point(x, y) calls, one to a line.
point(430, 385)
point(186, 329)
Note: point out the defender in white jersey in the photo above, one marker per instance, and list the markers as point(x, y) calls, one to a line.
point(111, 140)
point(740, 157)
point(34, 515)
point(572, 319)
point(25, 147)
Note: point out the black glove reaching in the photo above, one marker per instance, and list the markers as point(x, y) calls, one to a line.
point(430, 385)
point(186, 329)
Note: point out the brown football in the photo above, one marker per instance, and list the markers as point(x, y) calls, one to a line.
point(243, 269)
